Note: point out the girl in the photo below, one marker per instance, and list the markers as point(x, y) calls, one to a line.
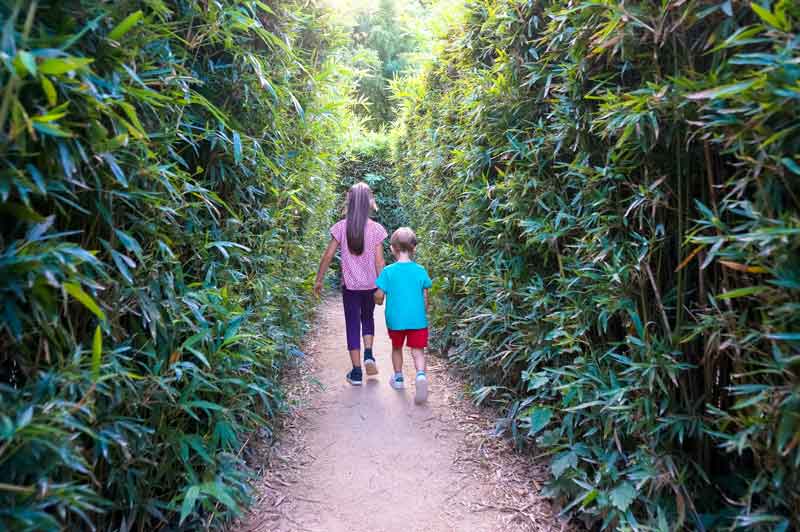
point(361, 240)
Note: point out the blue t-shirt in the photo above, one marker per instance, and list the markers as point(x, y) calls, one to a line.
point(404, 283)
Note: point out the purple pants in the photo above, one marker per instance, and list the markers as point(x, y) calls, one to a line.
point(359, 306)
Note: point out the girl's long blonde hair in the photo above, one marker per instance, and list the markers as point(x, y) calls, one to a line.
point(360, 204)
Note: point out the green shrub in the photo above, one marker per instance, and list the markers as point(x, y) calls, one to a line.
point(162, 163)
point(611, 191)
point(383, 39)
point(372, 163)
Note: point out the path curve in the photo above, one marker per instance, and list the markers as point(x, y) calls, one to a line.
point(366, 458)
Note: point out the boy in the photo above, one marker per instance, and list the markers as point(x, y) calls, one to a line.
point(406, 284)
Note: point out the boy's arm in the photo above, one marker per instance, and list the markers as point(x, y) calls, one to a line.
point(382, 285)
point(426, 284)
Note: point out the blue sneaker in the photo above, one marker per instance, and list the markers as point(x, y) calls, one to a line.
point(396, 381)
point(354, 377)
point(421, 394)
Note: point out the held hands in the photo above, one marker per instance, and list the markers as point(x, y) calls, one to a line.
point(379, 296)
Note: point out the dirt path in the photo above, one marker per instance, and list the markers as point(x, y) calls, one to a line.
point(367, 458)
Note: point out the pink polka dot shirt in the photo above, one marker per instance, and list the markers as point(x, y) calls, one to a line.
point(358, 271)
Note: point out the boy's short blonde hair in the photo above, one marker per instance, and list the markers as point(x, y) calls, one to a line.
point(404, 239)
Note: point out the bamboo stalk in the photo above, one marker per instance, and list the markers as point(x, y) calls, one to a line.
point(658, 300)
point(16, 489)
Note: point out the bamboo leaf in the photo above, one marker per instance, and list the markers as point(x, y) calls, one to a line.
point(743, 292)
point(788, 427)
point(189, 500)
point(116, 170)
point(791, 165)
point(52, 130)
point(237, 147)
point(97, 353)
point(85, 299)
point(28, 61)
point(299, 108)
point(130, 112)
point(768, 17)
point(739, 267)
point(724, 91)
point(57, 66)
point(49, 91)
point(786, 336)
point(125, 25)
point(689, 258)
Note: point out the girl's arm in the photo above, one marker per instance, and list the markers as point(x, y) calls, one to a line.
point(425, 295)
point(380, 262)
point(324, 264)
point(379, 296)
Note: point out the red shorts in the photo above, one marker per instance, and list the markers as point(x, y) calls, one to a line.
point(417, 338)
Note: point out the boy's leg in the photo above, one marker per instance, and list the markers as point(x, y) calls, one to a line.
point(421, 380)
point(398, 339)
point(397, 359)
point(419, 359)
point(417, 341)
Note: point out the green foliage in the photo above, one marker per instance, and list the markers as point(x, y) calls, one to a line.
point(371, 162)
point(382, 43)
point(162, 163)
point(611, 194)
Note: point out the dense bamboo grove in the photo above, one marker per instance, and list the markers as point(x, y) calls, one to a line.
point(607, 194)
point(167, 177)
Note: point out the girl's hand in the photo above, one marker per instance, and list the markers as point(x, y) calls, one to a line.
point(327, 257)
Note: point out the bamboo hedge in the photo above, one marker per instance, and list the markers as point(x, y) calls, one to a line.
point(608, 194)
point(163, 161)
point(370, 161)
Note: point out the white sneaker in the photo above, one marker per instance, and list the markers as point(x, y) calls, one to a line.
point(370, 366)
point(397, 382)
point(421, 394)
